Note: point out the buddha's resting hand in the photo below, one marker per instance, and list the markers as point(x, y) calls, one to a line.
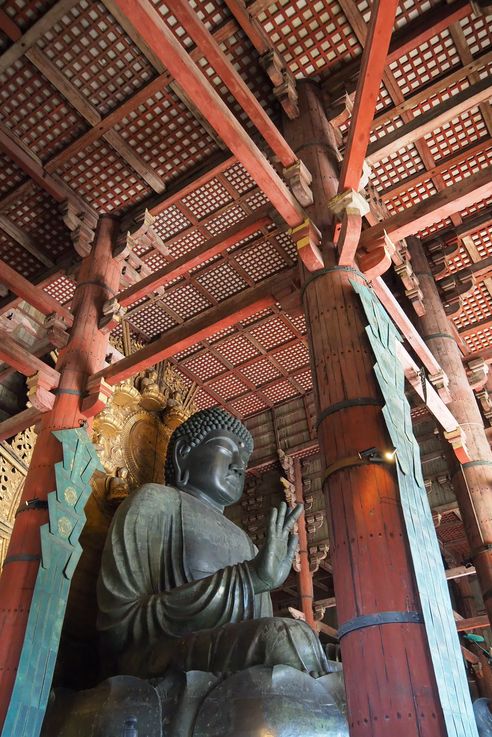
point(271, 566)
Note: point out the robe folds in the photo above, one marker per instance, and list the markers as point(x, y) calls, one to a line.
point(174, 589)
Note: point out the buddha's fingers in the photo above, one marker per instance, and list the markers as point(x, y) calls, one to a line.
point(273, 521)
point(282, 509)
point(292, 546)
point(292, 517)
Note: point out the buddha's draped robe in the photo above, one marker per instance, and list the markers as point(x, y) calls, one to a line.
point(174, 587)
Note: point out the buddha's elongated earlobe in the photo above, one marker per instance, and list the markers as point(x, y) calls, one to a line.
point(180, 453)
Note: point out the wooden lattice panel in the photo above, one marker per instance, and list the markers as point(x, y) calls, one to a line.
point(62, 289)
point(37, 215)
point(477, 307)
point(311, 35)
point(459, 261)
point(456, 134)
point(166, 135)
point(222, 281)
point(185, 301)
point(426, 62)
point(479, 340)
point(468, 166)
point(151, 321)
point(411, 196)
point(482, 240)
point(35, 112)
point(478, 33)
point(392, 169)
point(473, 209)
point(10, 175)
point(25, 13)
point(17, 257)
point(94, 53)
point(238, 177)
point(103, 179)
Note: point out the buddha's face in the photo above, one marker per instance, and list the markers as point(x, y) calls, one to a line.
point(215, 469)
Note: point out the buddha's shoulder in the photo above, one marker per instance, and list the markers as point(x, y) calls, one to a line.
point(153, 494)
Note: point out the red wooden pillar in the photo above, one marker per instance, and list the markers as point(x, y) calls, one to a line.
point(472, 481)
point(84, 354)
point(388, 673)
point(305, 578)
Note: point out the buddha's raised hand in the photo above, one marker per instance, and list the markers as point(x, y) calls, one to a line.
point(271, 566)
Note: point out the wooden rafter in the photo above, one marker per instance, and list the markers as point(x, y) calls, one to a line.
point(84, 108)
point(15, 355)
point(226, 313)
point(24, 240)
point(434, 118)
point(372, 68)
point(164, 45)
point(212, 52)
point(33, 295)
point(183, 265)
point(459, 196)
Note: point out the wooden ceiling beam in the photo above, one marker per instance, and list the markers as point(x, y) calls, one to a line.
point(427, 122)
point(32, 294)
point(411, 35)
point(444, 165)
point(15, 355)
point(183, 265)
point(427, 25)
point(19, 422)
point(232, 310)
point(32, 165)
point(167, 48)
point(23, 43)
point(367, 93)
point(457, 197)
point(188, 18)
point(406, 326)
point(88, 111)
point(24, 240)
point(427, 91)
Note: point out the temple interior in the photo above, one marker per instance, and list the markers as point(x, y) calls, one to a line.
point(282, 209)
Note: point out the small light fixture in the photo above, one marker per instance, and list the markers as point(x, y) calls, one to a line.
point(373, 455)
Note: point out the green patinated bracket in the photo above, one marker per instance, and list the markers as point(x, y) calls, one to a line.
point(60, 553)
point(424, 548)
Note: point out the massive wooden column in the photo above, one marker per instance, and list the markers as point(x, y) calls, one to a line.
point(84, 354)
point(388, 673)
point(472, 481)
point(305, 580)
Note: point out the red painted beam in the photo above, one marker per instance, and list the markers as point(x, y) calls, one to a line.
point(407, 328)
point(373, 64)
point(227, 313)
point(183, 265)
point(147, 22)
point(425, 26)
point(19, 422)
point(236, 85)
point(8, 26)
point(24, 362)
point(33, 295)
point(473, 189)
point(472, 623)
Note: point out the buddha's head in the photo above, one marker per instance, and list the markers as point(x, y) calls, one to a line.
point(208, 455)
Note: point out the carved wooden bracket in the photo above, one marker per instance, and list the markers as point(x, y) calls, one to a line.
point(453, 288)
point(485, 400)
point(113, 313)
point(339, 111)
point(440, 382)
point(439, 254)
point(477, 373)
point(140, 232)
point(98, 392)
point(273, 66)
point(286, 94)
point(82, 226)
point(56, 330)
point(349, 207)
point(308, 238)
point(317, 553)
point(458, 442)
point(299, 180)
point(39, 393)
point(377, 261)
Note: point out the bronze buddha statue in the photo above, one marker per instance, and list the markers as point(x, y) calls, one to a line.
point(184, 603)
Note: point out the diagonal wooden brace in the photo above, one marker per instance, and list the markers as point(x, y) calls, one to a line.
point(307, 238)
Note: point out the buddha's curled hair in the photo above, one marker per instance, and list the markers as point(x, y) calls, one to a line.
point(196, 428)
